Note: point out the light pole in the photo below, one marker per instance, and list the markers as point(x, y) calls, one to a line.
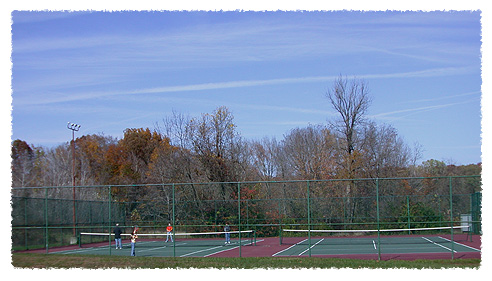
point(73, 127)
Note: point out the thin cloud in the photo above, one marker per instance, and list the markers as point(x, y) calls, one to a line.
point(238, 84)
point(445, 97)
point(419, 109)
point(251, 83)
point(232, 84)
point(413, 111)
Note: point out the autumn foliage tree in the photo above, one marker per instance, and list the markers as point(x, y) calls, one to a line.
point(92, 162)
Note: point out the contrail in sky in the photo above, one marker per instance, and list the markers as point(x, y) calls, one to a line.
point(240, 84)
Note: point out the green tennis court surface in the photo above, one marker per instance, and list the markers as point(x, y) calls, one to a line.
point(347, 247)
point(163, 249)
point(200, 244)
point(293, 243)
point(371, 245)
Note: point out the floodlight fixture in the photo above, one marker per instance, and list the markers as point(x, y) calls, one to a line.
point(73, 126)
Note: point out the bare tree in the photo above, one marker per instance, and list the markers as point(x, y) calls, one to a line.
point(264, 153)
point(56, 166)
point(351, 100)
point(310, 152)
point(177, 128)
point(385, 153)
point(213, 137)
point(23, 164)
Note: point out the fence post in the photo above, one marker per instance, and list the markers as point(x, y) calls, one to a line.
point(239, 213)
point(451, 214)
point(46, 219)
point(109, 218)
point(25, 224)
point(279, 221)
point(377, 217)
point(174, 226)
point(408, 213)
point(309, 218)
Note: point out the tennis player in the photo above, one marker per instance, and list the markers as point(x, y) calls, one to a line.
point(227, 234)
point(133, 239)
point(169, 230)
point(117, 236)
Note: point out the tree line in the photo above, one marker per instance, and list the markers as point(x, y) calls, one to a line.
point(209, 148)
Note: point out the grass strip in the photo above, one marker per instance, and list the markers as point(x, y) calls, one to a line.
point(49, 261)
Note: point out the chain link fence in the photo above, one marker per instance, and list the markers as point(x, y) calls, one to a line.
point(46, 217)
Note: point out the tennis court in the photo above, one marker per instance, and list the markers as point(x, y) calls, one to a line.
point(342, 246)
point(295, 243)
point(155, 245)
point(160, 249)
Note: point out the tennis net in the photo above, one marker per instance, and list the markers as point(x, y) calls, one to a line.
point(381, 236)
point(197, 239)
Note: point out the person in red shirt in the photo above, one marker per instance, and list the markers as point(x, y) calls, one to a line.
point(169, 230)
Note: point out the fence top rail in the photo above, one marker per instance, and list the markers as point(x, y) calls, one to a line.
point(245, 182)
point(247, 199)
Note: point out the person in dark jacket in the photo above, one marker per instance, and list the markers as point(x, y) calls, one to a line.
point(227, 234)
point(117, 236)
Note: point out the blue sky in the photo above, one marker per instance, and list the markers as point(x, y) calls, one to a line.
point(109, 71)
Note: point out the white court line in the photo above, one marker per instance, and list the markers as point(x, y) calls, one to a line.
point(201, 251)
point(98, 248)
point(81, 250)
point(66, 252)
point(208, 249)
point(288, 248)
point(152, 249)
point(311, 246)
point(439, 245)
point(232, 248)
point(221, 251)
point(460, 244)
